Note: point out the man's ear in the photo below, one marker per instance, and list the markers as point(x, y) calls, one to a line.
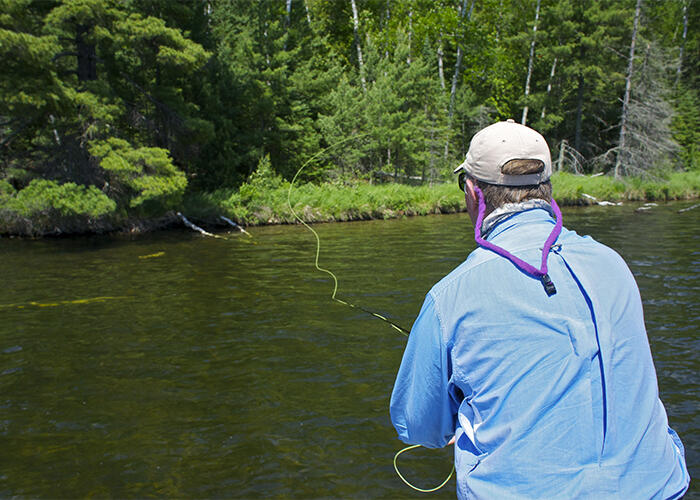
point(471, 200)
point(469, 189)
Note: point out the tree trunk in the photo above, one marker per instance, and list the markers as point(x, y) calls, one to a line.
point(560, 161)
point(579, 112)
point(308, 16)
point(410, 34)
point(287, 22)
point(455, 77)
point(356, 31)
point(458, 63)
point(530, 62)
point(679, 70)
point(87, 57)
point(431, 151)
point(549, 85)
point(500, 19)
point(628, 90)
point(441, 70)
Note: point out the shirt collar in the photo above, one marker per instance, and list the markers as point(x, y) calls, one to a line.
point(505, 211)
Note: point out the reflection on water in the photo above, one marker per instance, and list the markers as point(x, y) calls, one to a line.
point(220, 368)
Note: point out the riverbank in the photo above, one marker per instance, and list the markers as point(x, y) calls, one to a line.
point(333, 202)
point(264, 200)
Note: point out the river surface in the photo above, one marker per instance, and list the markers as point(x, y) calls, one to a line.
point(176, 365)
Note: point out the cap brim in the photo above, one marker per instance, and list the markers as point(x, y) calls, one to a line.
point(463, 166)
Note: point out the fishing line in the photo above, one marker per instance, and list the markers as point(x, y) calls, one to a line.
point(398, 328)
point(22, 305)
point(422, 490)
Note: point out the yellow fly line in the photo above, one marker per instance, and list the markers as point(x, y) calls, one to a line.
point(422, 490)
point(22, 305)
point(330, 273)
point(152, 255)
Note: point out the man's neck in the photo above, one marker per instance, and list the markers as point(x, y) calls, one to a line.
point(509, 209)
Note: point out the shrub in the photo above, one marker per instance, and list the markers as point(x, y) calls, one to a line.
point(44, 197)
point(46, 206)
point(143, 178)
point(6, 190)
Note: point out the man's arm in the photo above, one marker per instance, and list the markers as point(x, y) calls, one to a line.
point(422, 410)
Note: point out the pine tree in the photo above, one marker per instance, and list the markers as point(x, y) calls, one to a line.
point(106, 73)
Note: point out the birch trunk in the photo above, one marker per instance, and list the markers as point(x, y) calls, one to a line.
point(441, 70)
point(679, 70)
point(500, 20)
point(628, 90)
point(287, 21)
point(308, 16)
point(549, 85)
point(458, 64)
point(455, 77)
point(356, 31)
point(410, 35)
point(579, 112)
point(530, 62)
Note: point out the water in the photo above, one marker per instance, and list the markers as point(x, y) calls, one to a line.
point(220, 368)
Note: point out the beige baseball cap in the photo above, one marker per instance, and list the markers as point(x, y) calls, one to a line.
point(497, 144)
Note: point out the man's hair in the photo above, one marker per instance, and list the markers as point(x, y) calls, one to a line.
point(496, 196)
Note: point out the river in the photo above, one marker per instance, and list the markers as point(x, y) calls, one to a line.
point(176, 365)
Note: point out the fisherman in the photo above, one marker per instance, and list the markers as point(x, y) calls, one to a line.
point(541, 376)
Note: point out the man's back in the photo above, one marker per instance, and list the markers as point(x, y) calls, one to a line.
point(556, 396)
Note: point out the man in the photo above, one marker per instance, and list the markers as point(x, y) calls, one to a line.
point(543, 375)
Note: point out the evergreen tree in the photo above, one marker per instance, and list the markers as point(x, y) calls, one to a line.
point(91, 75)
point(137, 97)
point(277, 81)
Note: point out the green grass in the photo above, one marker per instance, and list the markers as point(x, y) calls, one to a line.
point(569, 188)
point(330, 202)
point(263, 200)
point(326, 203)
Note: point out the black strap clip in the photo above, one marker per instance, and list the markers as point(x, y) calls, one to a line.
point(548, 285)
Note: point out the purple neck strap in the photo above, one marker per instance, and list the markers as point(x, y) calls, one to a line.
point(540, 273)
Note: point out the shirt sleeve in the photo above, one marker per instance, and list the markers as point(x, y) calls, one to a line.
point(422, 410)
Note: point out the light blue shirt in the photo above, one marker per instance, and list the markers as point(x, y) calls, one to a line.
point(548, 397)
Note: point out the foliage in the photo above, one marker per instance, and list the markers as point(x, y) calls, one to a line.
point(47, 206)
point(261, 181)
point(686, 126)
point(82, 75)
point(139, 176)
point(143, 99)
point(43, 197)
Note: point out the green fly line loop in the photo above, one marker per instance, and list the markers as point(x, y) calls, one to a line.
point(422, 490)
point(396, 327)
point(330, 273)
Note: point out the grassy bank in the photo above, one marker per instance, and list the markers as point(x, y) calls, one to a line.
point(254, 204)
point(263, 200)
point(569, 189)
point(326, 203)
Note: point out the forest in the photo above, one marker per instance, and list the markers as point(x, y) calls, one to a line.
point(119, 110)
